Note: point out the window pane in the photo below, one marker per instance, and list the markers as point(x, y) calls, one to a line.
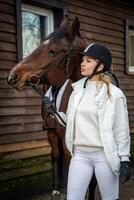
point(30, 32)
point(131, 50)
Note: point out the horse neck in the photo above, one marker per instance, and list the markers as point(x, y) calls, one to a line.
point(75, 65)
point(76, 60)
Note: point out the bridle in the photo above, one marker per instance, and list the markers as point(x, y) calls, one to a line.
point(66, 58)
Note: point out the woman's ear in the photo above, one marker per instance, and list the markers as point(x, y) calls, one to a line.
point(100, 67)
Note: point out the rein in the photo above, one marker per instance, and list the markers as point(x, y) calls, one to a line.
point(37, 88)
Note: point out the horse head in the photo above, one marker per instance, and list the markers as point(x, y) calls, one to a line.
point(55, 60)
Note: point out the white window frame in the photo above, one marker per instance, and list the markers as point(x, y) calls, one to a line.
point(129, 26)
point(131, 68)
point(41, 11)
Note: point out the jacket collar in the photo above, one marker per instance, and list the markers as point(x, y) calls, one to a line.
point(101, 97)
point(78, 86)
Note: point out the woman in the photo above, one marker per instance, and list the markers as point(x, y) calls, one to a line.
point(97, 133)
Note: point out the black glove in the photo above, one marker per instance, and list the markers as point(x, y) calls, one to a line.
point(48, 105)
point(125, 171)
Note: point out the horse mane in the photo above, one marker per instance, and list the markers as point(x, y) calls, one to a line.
point(57, 34)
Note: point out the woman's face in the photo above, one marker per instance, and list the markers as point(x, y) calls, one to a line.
point(87, 66)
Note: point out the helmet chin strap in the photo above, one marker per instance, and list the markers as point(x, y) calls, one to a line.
point(94, 72)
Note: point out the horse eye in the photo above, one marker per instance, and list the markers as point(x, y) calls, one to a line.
point(52, 53)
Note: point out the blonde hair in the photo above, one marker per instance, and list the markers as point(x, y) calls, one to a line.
point(105, 79)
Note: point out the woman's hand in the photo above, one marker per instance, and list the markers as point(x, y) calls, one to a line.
point(48, 105)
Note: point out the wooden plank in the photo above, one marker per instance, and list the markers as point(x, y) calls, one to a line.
point(4, 17)
point(120, 74)
point(100, 9)
point(8, 28)
point(115, 47)
point(3, 84)
point(131, 89)
point(92, 21)
point(4, 176)
point(129, 12)
point(20, 128)
point(7, 56)
point(129, 93)
point(17, 111)
point(14, 93)
point(33, 181)
point(111, 46)
point(127, 86)
point(28, 162)
point(5, 64)
point(117, 54)
point(101, 30)
point(131, 106)
point(102, 38)
point(23, 146)
point(131, 122)
point(7, 37)
point(6, 46)
point(6, 157)
point(126, 78)
point(129, 15)
point(7, 139)
point(15, 102)
point(118, 67)
point(4, 120)
point(7, 8)
point(95, 14)
point(131, 112)
point(12, 2)
point(4, 73)
point(115, 6)
point(118, 61)
point(130, 100)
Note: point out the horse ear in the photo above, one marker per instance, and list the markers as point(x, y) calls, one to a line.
point(74, 29)
point(65, 21)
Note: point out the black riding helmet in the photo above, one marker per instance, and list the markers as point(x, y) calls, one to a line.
point(100, 52)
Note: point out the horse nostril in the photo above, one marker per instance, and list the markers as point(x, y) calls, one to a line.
point(12, 79)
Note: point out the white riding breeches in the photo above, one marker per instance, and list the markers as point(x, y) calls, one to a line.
point(81, 169)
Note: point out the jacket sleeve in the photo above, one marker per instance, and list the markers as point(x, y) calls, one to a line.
point(121, 129)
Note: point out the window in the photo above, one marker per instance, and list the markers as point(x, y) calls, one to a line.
point(37, 23)
point(130, 46)
point(131, 50)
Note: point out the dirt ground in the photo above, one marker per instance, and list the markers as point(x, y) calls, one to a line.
point(126, 193)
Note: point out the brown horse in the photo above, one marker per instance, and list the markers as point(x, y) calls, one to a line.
point(54, 62)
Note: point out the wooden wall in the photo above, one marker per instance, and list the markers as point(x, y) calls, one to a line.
point(24, 149)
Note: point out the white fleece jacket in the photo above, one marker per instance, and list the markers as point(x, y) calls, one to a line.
point(113, 122)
